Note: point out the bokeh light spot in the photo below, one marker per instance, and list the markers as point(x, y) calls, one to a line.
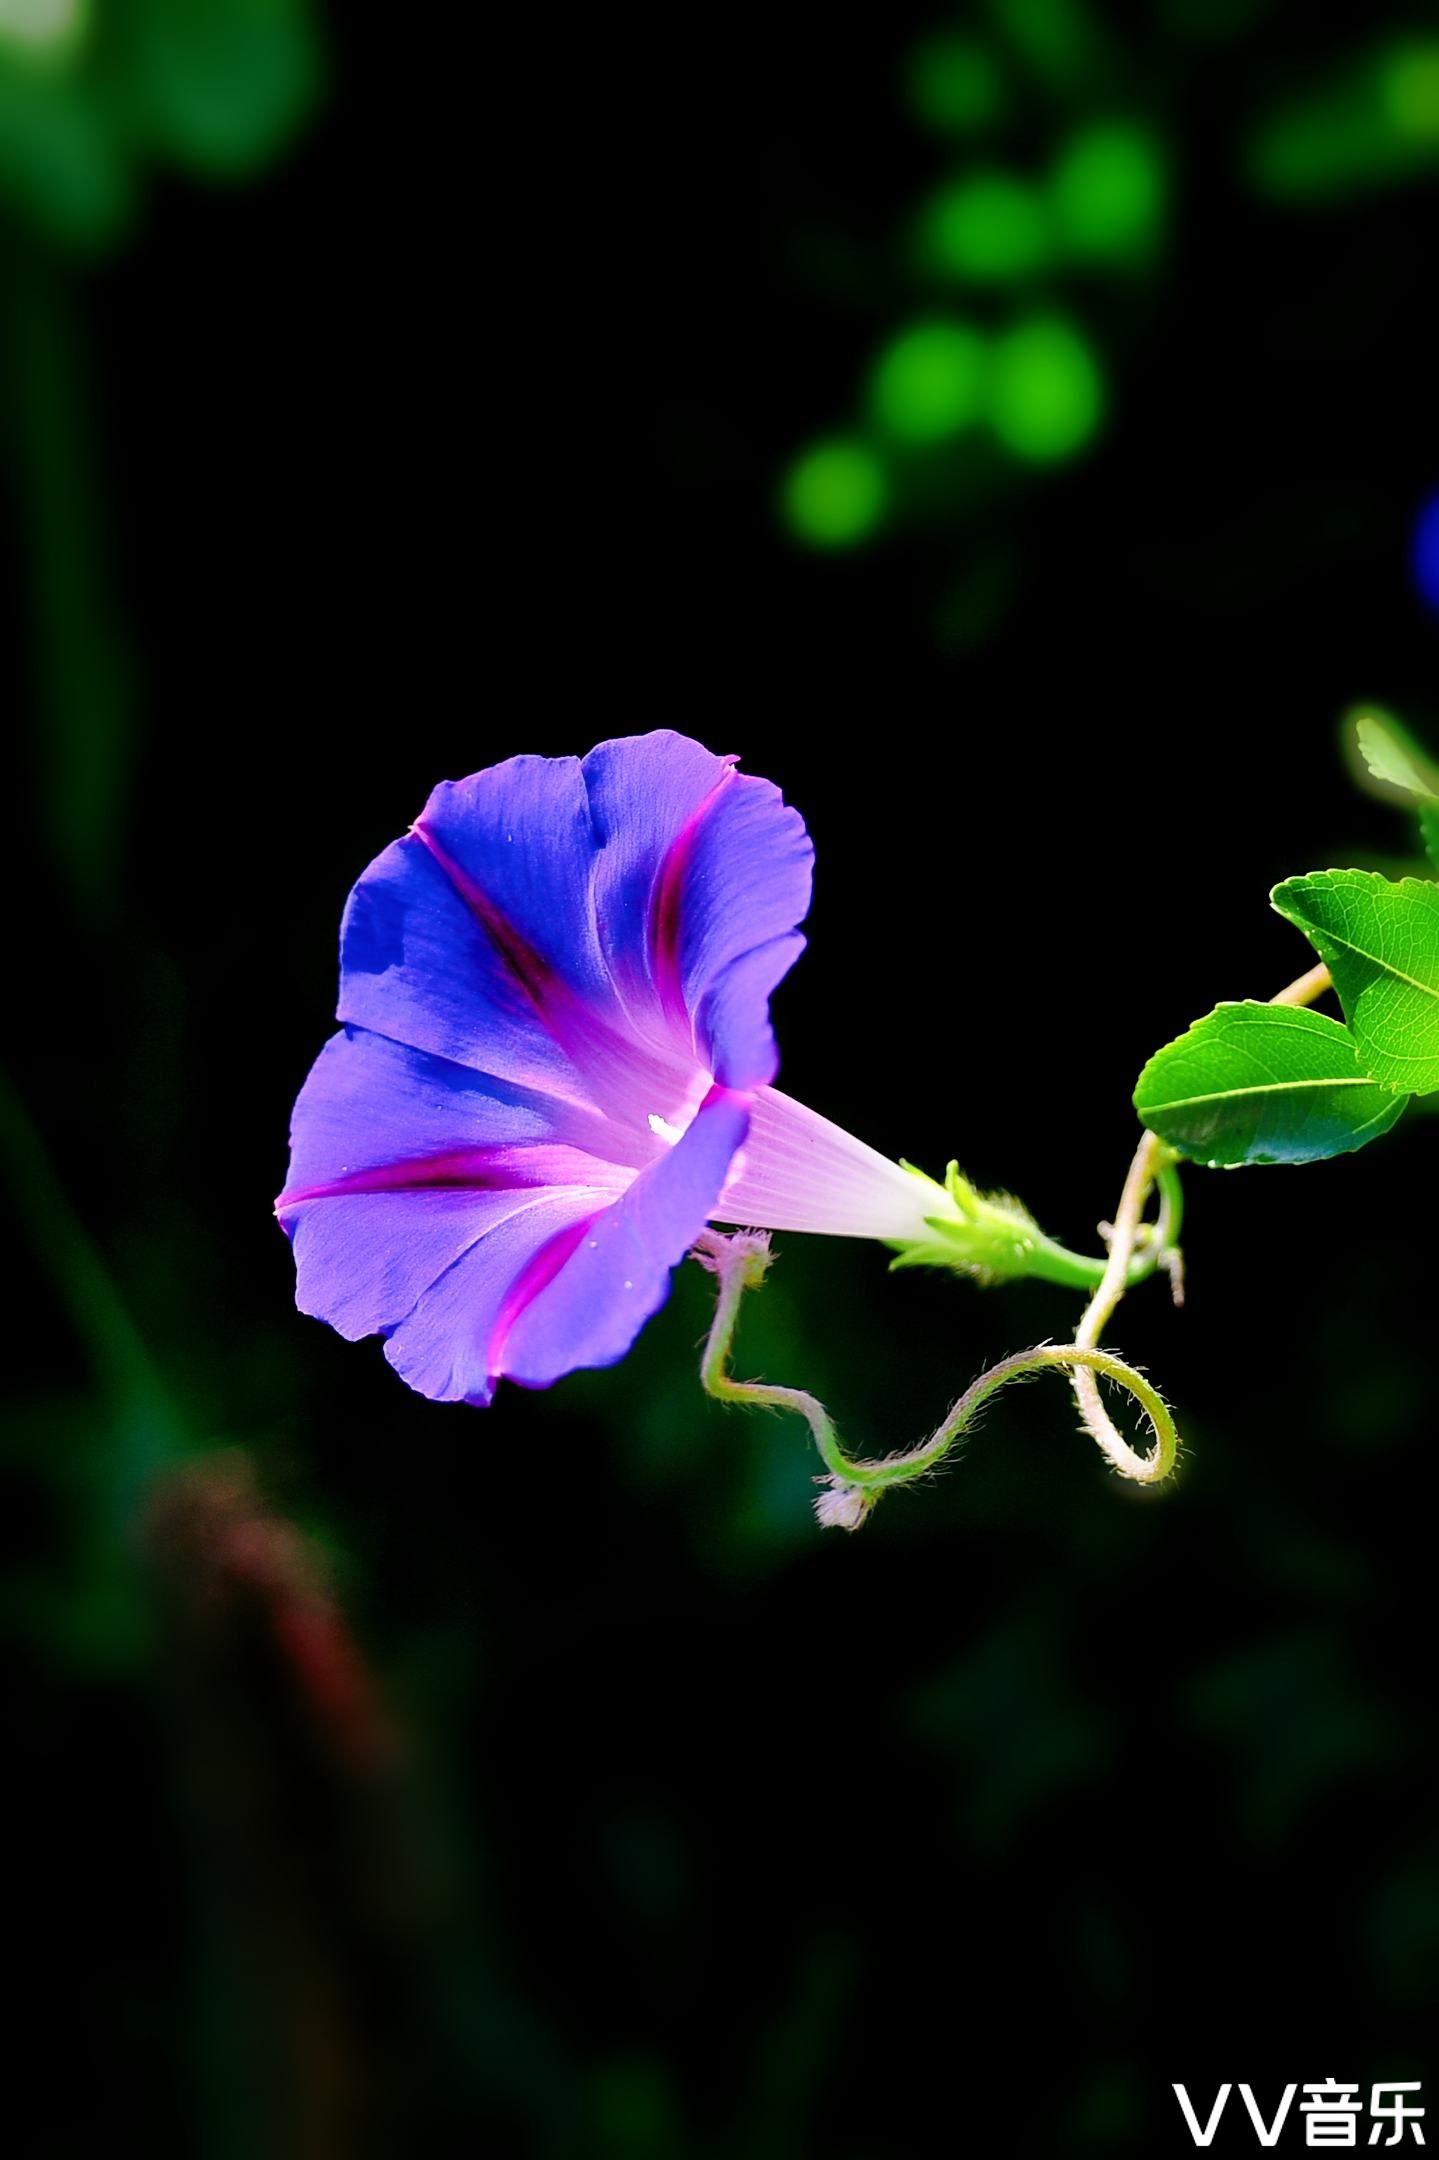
point(1108, 191)
point(834, 493)
point(930, 381)
point(988, 227)
point(1409, 79)
point(954, 84)
point(1374, 126)
point(1056, 37)
point(43, 26)
point(1047, 397)
point(1426, 552)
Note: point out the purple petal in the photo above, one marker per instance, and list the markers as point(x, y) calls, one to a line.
point(645, 793)
point(519, 841)
point(560, 1283)
point(475, 938)
point(369, 1102)
point(364, 1261)
point(733, 1015)
point(418, 965)
point(746, 884)
point(400, 1161)
point(619, 1272)
point(444, 1346)
point(700, 866)
point(538, 983)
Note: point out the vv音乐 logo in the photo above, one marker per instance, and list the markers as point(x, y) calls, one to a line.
point(1332, 2113)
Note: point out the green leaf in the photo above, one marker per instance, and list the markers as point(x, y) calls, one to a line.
point(1393, 756)
point(1396, 760)
point(1381, 944)
point(1256, 1083)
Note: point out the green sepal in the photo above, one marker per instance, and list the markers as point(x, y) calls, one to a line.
point(993, 1238)
point(989, 1236)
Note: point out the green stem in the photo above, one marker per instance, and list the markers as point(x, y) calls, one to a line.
point(1155, 1243)
point(131, 1383)
point(1136, 1249)
point(1137, 1185)
point(1055, 1263)
point(82, 689)
point(854, 1483)
point(1153, 1164)
point(78, 1275)
point(1305, 988)
point(1171, 1204)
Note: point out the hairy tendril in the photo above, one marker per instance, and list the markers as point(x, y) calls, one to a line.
point(853, 1484)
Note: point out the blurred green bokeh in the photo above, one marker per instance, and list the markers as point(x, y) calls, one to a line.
point(1048, 395)
point(834, 494)
point(955, 84)
point(92, 95)
point(1375, 123)
point(929, 382)
point(988, 227)
point(1109, 191)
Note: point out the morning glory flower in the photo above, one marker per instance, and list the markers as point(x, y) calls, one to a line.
point(555, 1067)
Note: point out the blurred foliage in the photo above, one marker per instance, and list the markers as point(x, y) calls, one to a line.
point(92, 99)
point(929, 381)
point(1065, 200)
point(1374, 123)
point(92, 92)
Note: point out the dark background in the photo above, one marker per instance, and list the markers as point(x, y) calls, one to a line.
point(382, 1773)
